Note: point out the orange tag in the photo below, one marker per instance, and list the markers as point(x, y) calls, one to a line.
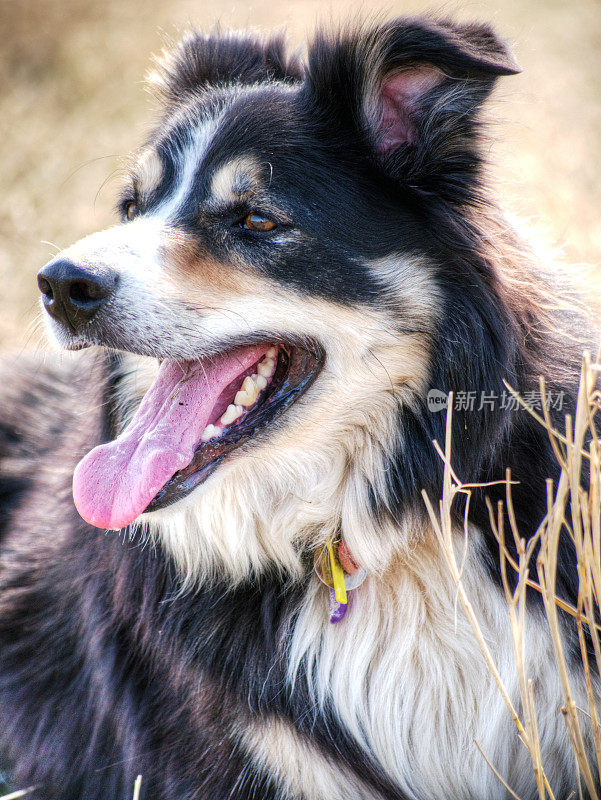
point(349, 565)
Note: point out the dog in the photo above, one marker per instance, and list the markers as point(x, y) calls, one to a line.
point(218, 571)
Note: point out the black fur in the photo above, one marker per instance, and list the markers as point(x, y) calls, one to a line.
point(225, 58)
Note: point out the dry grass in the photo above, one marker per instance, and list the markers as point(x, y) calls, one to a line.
point(583, 525)
point(72, 105)
point(16, 795)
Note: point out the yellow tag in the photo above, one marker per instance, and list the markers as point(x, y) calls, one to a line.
point(337, 575)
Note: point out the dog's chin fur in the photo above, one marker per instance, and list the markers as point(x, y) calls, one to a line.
point(237, 526)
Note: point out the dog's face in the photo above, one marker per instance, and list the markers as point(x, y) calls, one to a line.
point(276, 257)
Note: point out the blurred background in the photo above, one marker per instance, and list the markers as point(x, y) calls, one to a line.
point(73, 104)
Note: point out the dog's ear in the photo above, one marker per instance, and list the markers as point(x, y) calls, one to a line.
point(411, 89)
point(220, 58)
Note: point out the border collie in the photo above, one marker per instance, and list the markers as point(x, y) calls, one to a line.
point(307, 259)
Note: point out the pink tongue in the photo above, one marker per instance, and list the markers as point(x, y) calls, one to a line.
point(115, 482)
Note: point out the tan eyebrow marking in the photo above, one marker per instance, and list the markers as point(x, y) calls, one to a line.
point(235, 180)
point(199, 275)
point(148, 171)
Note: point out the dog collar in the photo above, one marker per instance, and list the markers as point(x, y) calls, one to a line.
point(336, 567)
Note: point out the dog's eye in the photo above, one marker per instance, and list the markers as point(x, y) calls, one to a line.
point(256, 222)
point(131, 210)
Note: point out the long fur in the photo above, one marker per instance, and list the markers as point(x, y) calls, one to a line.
point(194, 647)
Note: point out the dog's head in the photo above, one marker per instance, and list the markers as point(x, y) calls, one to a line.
point(289, 253)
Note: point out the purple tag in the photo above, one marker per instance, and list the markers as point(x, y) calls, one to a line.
point(337, 610)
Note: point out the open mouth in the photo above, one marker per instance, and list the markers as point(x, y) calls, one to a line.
point(193, 416)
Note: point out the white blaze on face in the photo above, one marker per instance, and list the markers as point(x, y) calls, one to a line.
point(188, 162)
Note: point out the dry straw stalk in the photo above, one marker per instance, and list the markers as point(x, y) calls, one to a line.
point(578, 452)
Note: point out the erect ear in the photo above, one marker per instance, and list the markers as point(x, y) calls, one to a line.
point(220, 58)
point(411, 88)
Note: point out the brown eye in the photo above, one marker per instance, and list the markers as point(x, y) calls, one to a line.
point(255, 222)
point(131, 210)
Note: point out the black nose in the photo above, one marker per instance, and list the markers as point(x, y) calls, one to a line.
point(71, 294)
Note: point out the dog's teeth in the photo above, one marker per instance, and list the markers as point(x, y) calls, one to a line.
point(248, 385)
point(249, 391)
point(266, 367)
point(231, 414)
point(246, 396)
point(245, 399)
point(210, 432)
